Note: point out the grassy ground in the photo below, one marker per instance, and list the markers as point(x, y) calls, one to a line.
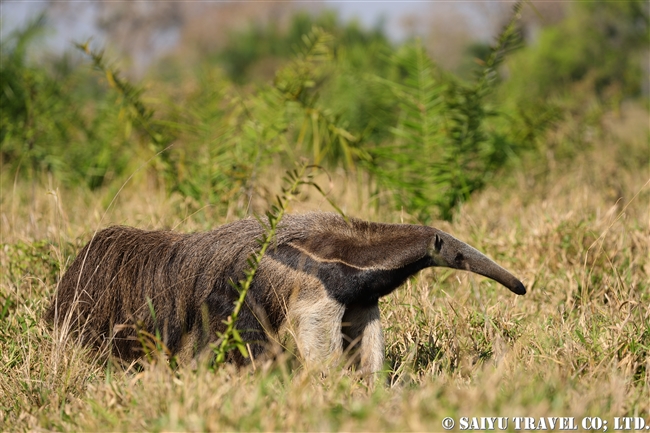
point(578, 344)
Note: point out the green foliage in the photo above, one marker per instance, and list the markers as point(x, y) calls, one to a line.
point(473, 157)
point(278, 122)
point(57, 120)
point(441, 153)
point(25, 260)
point(131, 110)
point(33, 102)
point(248, 49)
point(27, 268)
point(593, 57)
point(298, 83)
point(406, 164)
point(340, 96)
point(606, 43)
point(322, 67)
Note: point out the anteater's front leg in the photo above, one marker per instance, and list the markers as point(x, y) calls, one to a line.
point(361, 327)
point(318, 333)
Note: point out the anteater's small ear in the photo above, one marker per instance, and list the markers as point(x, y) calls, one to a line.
point(435, 250)
point(437, 243)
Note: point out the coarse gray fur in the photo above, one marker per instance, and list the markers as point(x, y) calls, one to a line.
point(322, 275)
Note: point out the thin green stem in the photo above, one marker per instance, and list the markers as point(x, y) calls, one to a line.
point(230, 338)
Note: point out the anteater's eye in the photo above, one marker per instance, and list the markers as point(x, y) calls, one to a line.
point(459, 258)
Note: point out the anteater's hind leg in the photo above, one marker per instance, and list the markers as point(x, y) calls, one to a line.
point(363, 337)
point(199, 344)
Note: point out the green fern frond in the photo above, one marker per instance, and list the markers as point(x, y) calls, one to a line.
point(441, 152)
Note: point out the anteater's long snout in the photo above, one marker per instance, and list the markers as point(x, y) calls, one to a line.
point(449, 252)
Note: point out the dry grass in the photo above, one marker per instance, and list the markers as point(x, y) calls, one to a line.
point(578, 344)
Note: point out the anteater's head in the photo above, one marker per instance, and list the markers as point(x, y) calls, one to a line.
point(449, 252)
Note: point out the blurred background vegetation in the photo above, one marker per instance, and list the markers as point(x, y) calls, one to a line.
point(421, 123)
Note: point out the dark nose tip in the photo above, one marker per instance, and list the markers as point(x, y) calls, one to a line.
point(518, 288)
